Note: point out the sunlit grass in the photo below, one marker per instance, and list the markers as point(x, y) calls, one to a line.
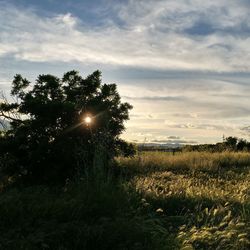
point(208, 193)
point(198, 185)
point(152, 161)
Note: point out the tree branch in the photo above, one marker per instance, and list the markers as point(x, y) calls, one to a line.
point(9, 117)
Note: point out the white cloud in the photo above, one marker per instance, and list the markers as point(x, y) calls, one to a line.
point(211, 107)
point(152, 36)
point(66, 19)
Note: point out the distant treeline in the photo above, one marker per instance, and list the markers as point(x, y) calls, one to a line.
point(229, 144)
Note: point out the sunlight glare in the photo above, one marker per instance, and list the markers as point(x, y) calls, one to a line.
point(87, 120)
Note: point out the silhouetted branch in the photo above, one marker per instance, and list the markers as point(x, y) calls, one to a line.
point(9, 117)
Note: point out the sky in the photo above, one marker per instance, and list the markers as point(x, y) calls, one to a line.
point(184, 65)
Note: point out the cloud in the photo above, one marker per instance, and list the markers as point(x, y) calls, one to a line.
point(185, 115)
point(245, 131)
point(67, 19)
point(185, 100)
point(179, 141)
point(173, 137)
point(172, 140)
point(156, 98)
point(153, 35)
point(198, 125)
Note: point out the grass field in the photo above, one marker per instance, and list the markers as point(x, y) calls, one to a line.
point(205, 197)
point(156, 201)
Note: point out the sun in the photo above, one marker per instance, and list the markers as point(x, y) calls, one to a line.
point(87, 119)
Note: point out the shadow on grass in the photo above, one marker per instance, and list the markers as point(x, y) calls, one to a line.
point(85, 216)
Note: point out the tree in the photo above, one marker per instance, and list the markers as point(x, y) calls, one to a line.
point(48, 138)
point(242, 144)
point(126, 149)
point(231, 142)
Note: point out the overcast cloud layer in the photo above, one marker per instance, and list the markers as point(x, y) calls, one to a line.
point(184, 65)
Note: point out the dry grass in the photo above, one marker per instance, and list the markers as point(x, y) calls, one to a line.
point(151, 161)
point(208, 192)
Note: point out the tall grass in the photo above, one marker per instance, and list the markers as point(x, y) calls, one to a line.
point(154, 161)
point(204, 196)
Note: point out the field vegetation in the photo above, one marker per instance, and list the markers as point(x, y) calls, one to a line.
point(204, 196)
point(151, 201)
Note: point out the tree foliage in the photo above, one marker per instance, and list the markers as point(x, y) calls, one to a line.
point(48, 139)
point(230, 143)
